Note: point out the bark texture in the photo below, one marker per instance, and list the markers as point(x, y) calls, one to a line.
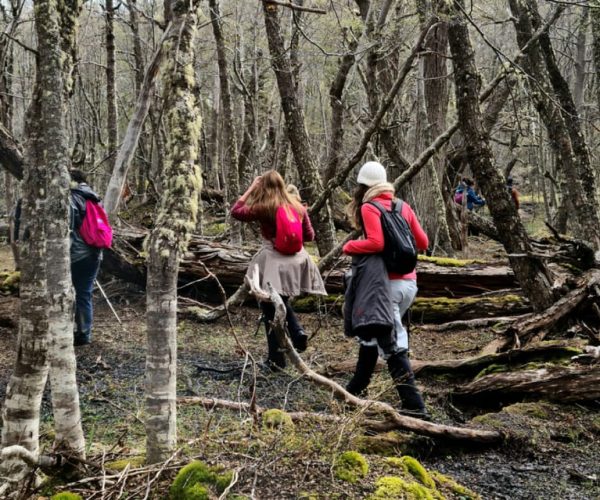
point(175, 221)
point(532, 273)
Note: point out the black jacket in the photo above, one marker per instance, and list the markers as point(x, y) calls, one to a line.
point(368, 309)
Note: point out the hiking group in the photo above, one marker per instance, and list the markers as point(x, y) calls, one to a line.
point(380, 287)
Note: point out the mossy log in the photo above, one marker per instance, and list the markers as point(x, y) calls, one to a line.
point(437, 277)
point(536, 326)
point(469, 367)
point(553, 383)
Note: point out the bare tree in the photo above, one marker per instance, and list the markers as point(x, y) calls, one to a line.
point(296, 130)
point(532, 273)
point(232, 187)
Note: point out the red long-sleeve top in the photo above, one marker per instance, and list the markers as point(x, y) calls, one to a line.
point(374, 239)
point(243, 212)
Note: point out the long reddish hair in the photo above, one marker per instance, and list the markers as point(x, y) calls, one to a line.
point(270, 194)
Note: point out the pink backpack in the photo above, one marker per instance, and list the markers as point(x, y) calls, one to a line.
point(288, 231)
point(95, 229)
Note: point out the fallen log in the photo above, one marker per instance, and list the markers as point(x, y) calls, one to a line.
point(537, 325)
point(554, 384)
point(469, 367)
point(9, 312)
point(437, 277)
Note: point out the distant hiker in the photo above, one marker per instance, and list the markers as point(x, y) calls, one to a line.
point(474, 201)
point(89, 235)
point(282, 261)
point(376, 299)
point(514, 194)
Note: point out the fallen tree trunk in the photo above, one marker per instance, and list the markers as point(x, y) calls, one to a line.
point(555, 384)
point(537, 326)
point(469, 367)
point(437, 277)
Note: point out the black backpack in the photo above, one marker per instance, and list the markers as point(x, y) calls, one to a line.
point(400, 250)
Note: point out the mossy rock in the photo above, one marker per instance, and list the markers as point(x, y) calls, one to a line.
point(542, 411)
point(196, 481)
point(351, 466)
point(133, 462)
point(277, 419)
point(447, 483)
point(396, 488)
point(66, 495)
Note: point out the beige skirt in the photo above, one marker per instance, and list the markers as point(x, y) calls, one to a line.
point(289, 275)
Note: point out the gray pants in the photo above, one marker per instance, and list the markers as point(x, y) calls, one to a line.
point(403, 295)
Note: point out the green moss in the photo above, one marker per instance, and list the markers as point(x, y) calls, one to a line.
point(277, 419)
point(216, 229)
point(392, 488)
point(351, 466)
point(456, 488)
point(537, 410)
point(418, 471)
point(311, 303)
point(66, 495)
point(397, 463)
point(9, 281)
point(195, 481)
point(131, 461)
point(493, 368)
point(489, 420)
point(448, 262)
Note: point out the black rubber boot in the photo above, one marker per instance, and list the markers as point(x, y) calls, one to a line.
point(401, 372)
point(365, 366)
point(276, 357)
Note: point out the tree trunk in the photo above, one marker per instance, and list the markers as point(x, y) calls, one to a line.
point(570, 115)
point(118, 177)
point(563, 385)
point(112, 126)
point(595, 18)
point(45, 328)
point(584, 211)
point(532, 273)
point(296, 130)
point(232, 187)
point(175, 220)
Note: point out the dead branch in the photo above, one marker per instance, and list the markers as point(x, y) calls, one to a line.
point(400, 421)
point(293, 6)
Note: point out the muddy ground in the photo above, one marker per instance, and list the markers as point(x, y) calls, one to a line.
point(554, 453)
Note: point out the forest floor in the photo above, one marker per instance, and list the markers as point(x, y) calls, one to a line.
point(555, 452)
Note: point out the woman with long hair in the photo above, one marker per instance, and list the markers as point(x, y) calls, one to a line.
point(290, 273)
point(380, 331)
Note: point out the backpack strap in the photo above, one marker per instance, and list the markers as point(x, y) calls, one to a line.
point(378, 206)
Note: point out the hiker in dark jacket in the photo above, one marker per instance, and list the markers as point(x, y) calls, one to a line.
point(85, 260)
point(378, 299)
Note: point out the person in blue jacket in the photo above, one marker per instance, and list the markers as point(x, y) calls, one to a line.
point(474, 201)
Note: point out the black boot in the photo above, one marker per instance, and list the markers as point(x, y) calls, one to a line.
point(276, 357)
point(297, 333)
point(365, 366)
point(401, 372)
point(82, 338)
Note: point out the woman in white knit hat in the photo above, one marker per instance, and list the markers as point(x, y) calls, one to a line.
point(391, 345)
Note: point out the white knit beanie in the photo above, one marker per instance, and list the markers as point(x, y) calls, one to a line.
point(371, 173)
